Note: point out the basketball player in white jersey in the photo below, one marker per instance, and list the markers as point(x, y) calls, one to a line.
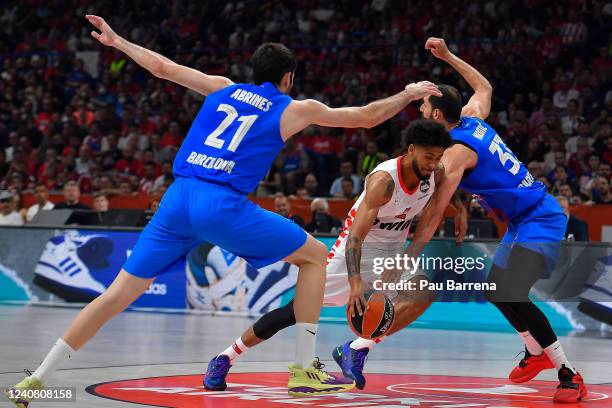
point(377, 227)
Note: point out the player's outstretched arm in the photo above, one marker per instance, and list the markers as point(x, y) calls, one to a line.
point(479, 104)
point(301, 114)
point(157, 64)
point(456, 159)
point(379, 190)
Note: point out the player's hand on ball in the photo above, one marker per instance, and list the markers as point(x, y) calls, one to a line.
point(422, 89)
point(106, 35)
point(438, 48)
point(356, 302)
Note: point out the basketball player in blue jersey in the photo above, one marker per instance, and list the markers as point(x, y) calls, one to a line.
point(230, 147)
point(480, 163)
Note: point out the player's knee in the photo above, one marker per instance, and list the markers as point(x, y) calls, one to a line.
point(274, 321)
point(421, 293)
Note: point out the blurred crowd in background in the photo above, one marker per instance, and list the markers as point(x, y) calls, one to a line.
point(75, 113)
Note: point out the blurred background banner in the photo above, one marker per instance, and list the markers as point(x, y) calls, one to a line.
point(73, 266)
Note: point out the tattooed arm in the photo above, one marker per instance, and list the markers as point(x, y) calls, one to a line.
point(379, 190)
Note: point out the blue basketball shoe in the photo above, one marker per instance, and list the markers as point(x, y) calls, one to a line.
point(351, 362)
point(217, 370)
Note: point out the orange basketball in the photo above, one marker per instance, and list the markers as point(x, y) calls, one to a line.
point(377, 318)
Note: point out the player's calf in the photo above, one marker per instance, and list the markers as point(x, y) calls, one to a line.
point(267, 326)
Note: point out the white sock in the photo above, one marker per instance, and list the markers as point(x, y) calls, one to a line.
point(557, 356)
point(360, 343)
point(58, 353)
point(306, 337)
point(533, 347)
point(235, 350)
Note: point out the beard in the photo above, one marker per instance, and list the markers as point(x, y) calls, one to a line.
point(417, 171)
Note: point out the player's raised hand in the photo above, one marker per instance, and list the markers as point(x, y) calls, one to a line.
point(422, 89)
point(106, 35)
point(438, 47)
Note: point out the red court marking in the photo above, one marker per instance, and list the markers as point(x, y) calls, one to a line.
point(383, 390)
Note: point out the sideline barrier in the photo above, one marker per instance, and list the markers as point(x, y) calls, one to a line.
point(73, 266)
point(597, 217)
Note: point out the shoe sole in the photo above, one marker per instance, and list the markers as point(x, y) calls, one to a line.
point(582, 395)
point(334, 390)
point(215, 388)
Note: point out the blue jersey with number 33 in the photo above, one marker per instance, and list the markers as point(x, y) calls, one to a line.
point(235, 137)
point(499, 177)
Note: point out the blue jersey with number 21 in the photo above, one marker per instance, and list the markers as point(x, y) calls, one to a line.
point(235, 137)
point(499, 177)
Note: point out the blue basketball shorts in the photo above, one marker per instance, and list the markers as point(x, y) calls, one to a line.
point(540, 229)
point(193, 212)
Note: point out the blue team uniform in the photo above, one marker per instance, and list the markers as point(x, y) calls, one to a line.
point(535, 219)
point(229, 149)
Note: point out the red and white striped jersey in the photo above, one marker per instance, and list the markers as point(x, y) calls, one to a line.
point(394, 218)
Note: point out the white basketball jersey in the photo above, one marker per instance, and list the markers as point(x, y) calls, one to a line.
point(394, 218)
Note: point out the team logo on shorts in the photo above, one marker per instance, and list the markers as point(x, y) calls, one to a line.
point(384, 390)
point(425, 185)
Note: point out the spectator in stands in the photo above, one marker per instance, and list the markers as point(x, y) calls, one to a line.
point(347, 188)
point(571, 119)
point(302, 194)
point(576, 228)
point(282, 206)
point(346, 170)
point(128, 164)
point(292, 165)
point(544, 115)
point(147, 183)
point(321, 220)
point(560, 177)
point(13, 140)
point(323, 149)
point(125, 189)
point(579, 161)
point(72, 195)
point(100, 202)
point(582, 134)
point(312, 187)
point(172, 137)
point(560, 160)
point(601, 191)
point(369, 159)
point(84, 160)
point(565, 94)
point(8, 215)
point(41, 195)
point(604, 170)
point(166, 173)
point(566, 191)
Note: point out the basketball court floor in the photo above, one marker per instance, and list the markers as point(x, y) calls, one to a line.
point(156, 359)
